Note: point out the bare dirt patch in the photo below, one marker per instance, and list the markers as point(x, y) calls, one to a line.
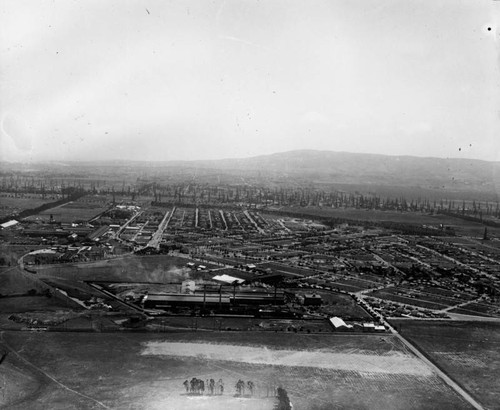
point(397, 362)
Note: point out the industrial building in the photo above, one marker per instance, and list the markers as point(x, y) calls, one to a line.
point(312, 299)
point(213, 300)
point(339, 324)
point(186, 300)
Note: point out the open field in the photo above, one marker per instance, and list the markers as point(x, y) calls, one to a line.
point(461, 226)
point(323, 358)
point(70, 212)
point(393, 295)
point(240, 324)
point(479, 309)
point(144, 371)
point(466, 351)
point(13, 281)
point(11, 204)
point(285, 270)
point(130, 268)
point(28, 304)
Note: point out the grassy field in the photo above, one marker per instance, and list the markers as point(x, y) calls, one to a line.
point(144, 371)
point(467, 351)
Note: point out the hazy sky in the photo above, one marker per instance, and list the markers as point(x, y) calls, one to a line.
point(166, 80)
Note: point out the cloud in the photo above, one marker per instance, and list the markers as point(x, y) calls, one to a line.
point(18, 129)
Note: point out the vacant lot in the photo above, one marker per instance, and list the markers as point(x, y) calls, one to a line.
point(141, 371)
point(466, 351)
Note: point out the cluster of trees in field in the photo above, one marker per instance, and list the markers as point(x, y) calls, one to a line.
point(241, 387)
point(198, 386)
point(248, 389)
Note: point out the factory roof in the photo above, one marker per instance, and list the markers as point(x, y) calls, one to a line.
point(338, 322)
point(227, 279)
point(8, 224)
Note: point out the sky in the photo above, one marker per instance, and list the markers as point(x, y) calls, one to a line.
point(162, 80)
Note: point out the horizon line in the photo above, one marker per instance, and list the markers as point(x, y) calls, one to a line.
point(160, 161)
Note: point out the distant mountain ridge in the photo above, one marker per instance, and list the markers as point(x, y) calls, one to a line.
point(453, 174)
point(345, 167)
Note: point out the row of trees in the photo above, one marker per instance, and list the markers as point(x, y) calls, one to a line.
point(189, 192)
point(241, 386)
point(311, 196)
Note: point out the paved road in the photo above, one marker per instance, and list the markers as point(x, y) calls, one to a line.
point(156, 238)
point(223, 218)
point(122, 228)
point(249, 217)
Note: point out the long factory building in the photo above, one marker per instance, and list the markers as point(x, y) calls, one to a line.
point(159, 301)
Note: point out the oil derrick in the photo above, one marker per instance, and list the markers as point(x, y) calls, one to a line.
point(485, 235)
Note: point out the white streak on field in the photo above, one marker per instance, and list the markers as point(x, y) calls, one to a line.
point(395, 363)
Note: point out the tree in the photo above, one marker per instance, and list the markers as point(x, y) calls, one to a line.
point(240, 387)
point(283, 400)
point(250, 386)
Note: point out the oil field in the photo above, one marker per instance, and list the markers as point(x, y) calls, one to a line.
point(216, 296)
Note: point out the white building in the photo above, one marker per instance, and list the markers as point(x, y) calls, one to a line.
point(339, 324)
point(188, 286)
